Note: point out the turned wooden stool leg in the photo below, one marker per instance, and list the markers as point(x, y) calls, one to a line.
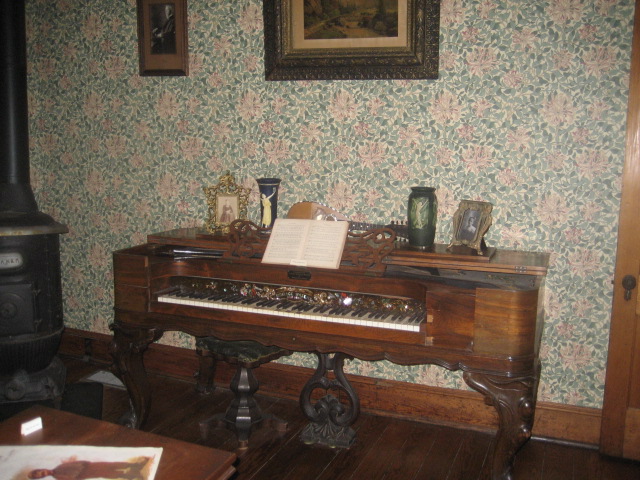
point(244, 411)
point(206, 372)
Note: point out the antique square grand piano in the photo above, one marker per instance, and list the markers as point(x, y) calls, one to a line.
point(479, 314)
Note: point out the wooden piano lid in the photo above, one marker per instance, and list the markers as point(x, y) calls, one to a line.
point(189, 237)
point(496, 260)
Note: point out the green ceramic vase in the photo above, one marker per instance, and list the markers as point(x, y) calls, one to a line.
point(422, 216)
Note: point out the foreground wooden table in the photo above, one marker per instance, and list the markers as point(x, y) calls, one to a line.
point(179, 459)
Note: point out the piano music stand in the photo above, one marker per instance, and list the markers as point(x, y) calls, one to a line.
point(244, 413)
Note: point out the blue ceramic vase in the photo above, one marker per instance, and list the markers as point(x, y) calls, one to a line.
point(268, 188)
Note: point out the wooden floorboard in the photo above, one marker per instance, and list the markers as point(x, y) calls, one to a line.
point(385, 448)
point(346, 462)
point(379, 455)
point(472, 454)
point(529, 462)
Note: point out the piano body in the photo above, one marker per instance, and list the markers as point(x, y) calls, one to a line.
point(482, 315)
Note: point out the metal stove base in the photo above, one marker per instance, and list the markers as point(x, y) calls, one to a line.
point(46, 384)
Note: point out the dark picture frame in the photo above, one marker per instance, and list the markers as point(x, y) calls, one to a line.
point(408, 52)
point(162, 37)
point(470, 223)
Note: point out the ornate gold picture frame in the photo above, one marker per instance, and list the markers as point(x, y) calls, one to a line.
point(470, 222)
point(397, 39)
point(227, 202)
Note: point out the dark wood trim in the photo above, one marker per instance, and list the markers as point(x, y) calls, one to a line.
point(386, 397)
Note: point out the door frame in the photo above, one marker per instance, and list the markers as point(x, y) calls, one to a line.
point(624, 318)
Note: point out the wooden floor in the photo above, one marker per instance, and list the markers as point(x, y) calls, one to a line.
point(386, 448)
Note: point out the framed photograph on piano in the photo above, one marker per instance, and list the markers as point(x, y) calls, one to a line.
point(227, 202)
point(470, 223)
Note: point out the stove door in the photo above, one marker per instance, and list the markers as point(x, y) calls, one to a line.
point(17, 310)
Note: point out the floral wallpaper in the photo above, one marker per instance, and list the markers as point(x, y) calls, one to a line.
point(528, 114)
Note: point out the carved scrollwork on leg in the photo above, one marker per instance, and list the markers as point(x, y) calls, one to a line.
point(127, 349)
point(331, 419)
point(514, 399)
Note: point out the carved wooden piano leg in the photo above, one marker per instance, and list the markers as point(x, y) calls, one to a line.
point(514, 399)
point(127, 349)
point(330, 419)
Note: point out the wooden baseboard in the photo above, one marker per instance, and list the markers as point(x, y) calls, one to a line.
point(385, 397)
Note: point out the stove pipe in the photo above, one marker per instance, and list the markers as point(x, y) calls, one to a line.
point(15, 192)
point(31, 322)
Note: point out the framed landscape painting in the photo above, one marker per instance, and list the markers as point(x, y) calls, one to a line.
point(351, 40)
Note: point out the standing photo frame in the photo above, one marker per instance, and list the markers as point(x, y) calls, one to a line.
point(162, 37)
point(470, 223)
point(227, 202)
point(398, 39)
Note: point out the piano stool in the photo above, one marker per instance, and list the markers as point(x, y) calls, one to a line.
point(244, 413)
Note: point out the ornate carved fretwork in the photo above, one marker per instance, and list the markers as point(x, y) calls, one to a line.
point(247, 240)
point(363, 251)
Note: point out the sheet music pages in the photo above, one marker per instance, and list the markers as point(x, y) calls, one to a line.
point(306, 243)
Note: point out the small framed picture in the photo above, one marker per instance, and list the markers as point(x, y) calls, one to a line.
point(227, 202)
point(227, 208)
point(470, 222)
point(162, 37)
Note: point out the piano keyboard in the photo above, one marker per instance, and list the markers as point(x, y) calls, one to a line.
point(393, 320)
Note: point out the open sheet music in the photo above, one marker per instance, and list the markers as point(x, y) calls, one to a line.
point(306, 243)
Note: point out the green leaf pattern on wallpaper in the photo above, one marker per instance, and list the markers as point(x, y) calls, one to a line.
point(528, 114)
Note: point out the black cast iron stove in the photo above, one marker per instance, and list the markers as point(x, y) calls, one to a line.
point(31, 321)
